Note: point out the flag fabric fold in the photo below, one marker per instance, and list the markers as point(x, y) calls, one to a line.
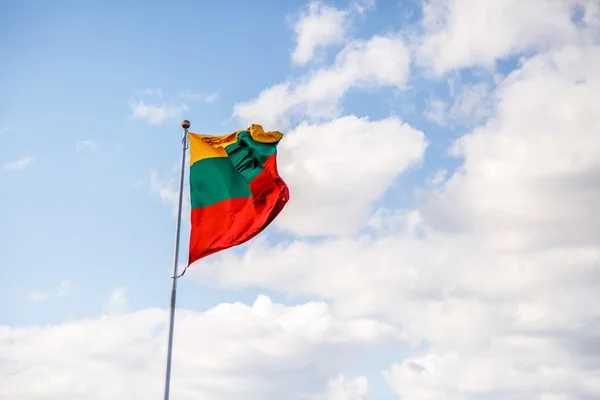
point(235, 188)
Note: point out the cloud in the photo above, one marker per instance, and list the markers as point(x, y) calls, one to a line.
point(495, 268)
point(530, 173)
point(336, 170)
point(343, 389)
point(19, 165)
point(211, 97)
point(117, 302)
point(63, 290)
point(207, 98)
point(379, 61)
point(438, 177)
point(167, 191)
point(156, 113)
point(362, 6)
point(155, 110)
point(492, 273)
point(490, 374)
point(37, 296)
point(5, 129)
point(436, 111)
point(472, 33)
point(317, 27)
point(269, 350)
point(150, 105)
point(471, 103)
point(86, 145)
point(502, 323)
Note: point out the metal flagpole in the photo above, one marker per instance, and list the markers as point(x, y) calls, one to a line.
point(185, 125)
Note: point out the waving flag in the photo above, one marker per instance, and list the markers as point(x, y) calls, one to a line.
point(235, 188)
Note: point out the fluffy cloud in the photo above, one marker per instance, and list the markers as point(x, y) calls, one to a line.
point(492, 276)
point(151, 106)
point(379, 61)
point(497, 268)
point(472, 103)
point(487, 315)
point(461, 33)
point(117, 302)
point(344, 389)
point(316, 28)
point(336, 170)
point(531, 173)
point(156, 113)
point(544, 370)
point(263, 351)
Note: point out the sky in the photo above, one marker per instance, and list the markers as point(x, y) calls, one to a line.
point(442, 240)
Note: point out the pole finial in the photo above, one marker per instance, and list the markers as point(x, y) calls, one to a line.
point(185, 124)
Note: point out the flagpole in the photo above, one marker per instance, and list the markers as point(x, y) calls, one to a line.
point(185, 125)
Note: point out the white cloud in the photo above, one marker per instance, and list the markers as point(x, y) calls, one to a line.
point(471, 104)
point(336, 170)
point(269, 350)
point(62, 291)
point(5, 129)
point(493, 315)
point(436, 111)
point(380, 61)
point(117, 302)
point(167, 191)
point(530, 174)
point(493, 274)
point(544, 370)
point(86, 145)
point(155, 110)
point(19, 164)
point(361, 6)
point(497, 270)
point(151, 106)
point(211, 97)
point(156, 113)
point(438, 177)
point(461, 33)
point(317, 27)
point(343, 389)
point(37, 296)
point(207, 97)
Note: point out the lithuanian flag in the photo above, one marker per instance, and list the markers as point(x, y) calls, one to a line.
point(235, 188)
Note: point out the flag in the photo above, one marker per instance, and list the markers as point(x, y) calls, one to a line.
point(235, 188)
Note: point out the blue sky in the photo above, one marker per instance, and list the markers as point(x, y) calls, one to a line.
point(92, 95)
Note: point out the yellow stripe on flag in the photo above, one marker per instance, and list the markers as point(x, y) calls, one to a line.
point(210, 146)
point(201, 147)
